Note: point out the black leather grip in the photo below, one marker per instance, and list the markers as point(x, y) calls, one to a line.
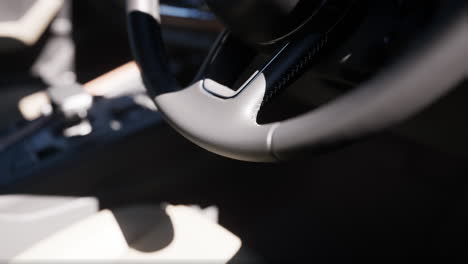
point(150, 53)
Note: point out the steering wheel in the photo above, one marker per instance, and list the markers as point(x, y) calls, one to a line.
point(219, 110)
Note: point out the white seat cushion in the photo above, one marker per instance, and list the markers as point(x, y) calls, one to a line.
point(135, 234)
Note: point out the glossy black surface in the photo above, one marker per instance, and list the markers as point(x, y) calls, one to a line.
point(264, 20)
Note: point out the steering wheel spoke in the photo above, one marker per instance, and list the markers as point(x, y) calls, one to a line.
point(224, 126)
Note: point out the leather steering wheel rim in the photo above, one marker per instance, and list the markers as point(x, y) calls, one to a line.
point(227, 126)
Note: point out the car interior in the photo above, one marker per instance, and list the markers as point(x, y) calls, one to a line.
point(211, 131)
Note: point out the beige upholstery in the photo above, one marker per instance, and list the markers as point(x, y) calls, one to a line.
point(139, 234)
